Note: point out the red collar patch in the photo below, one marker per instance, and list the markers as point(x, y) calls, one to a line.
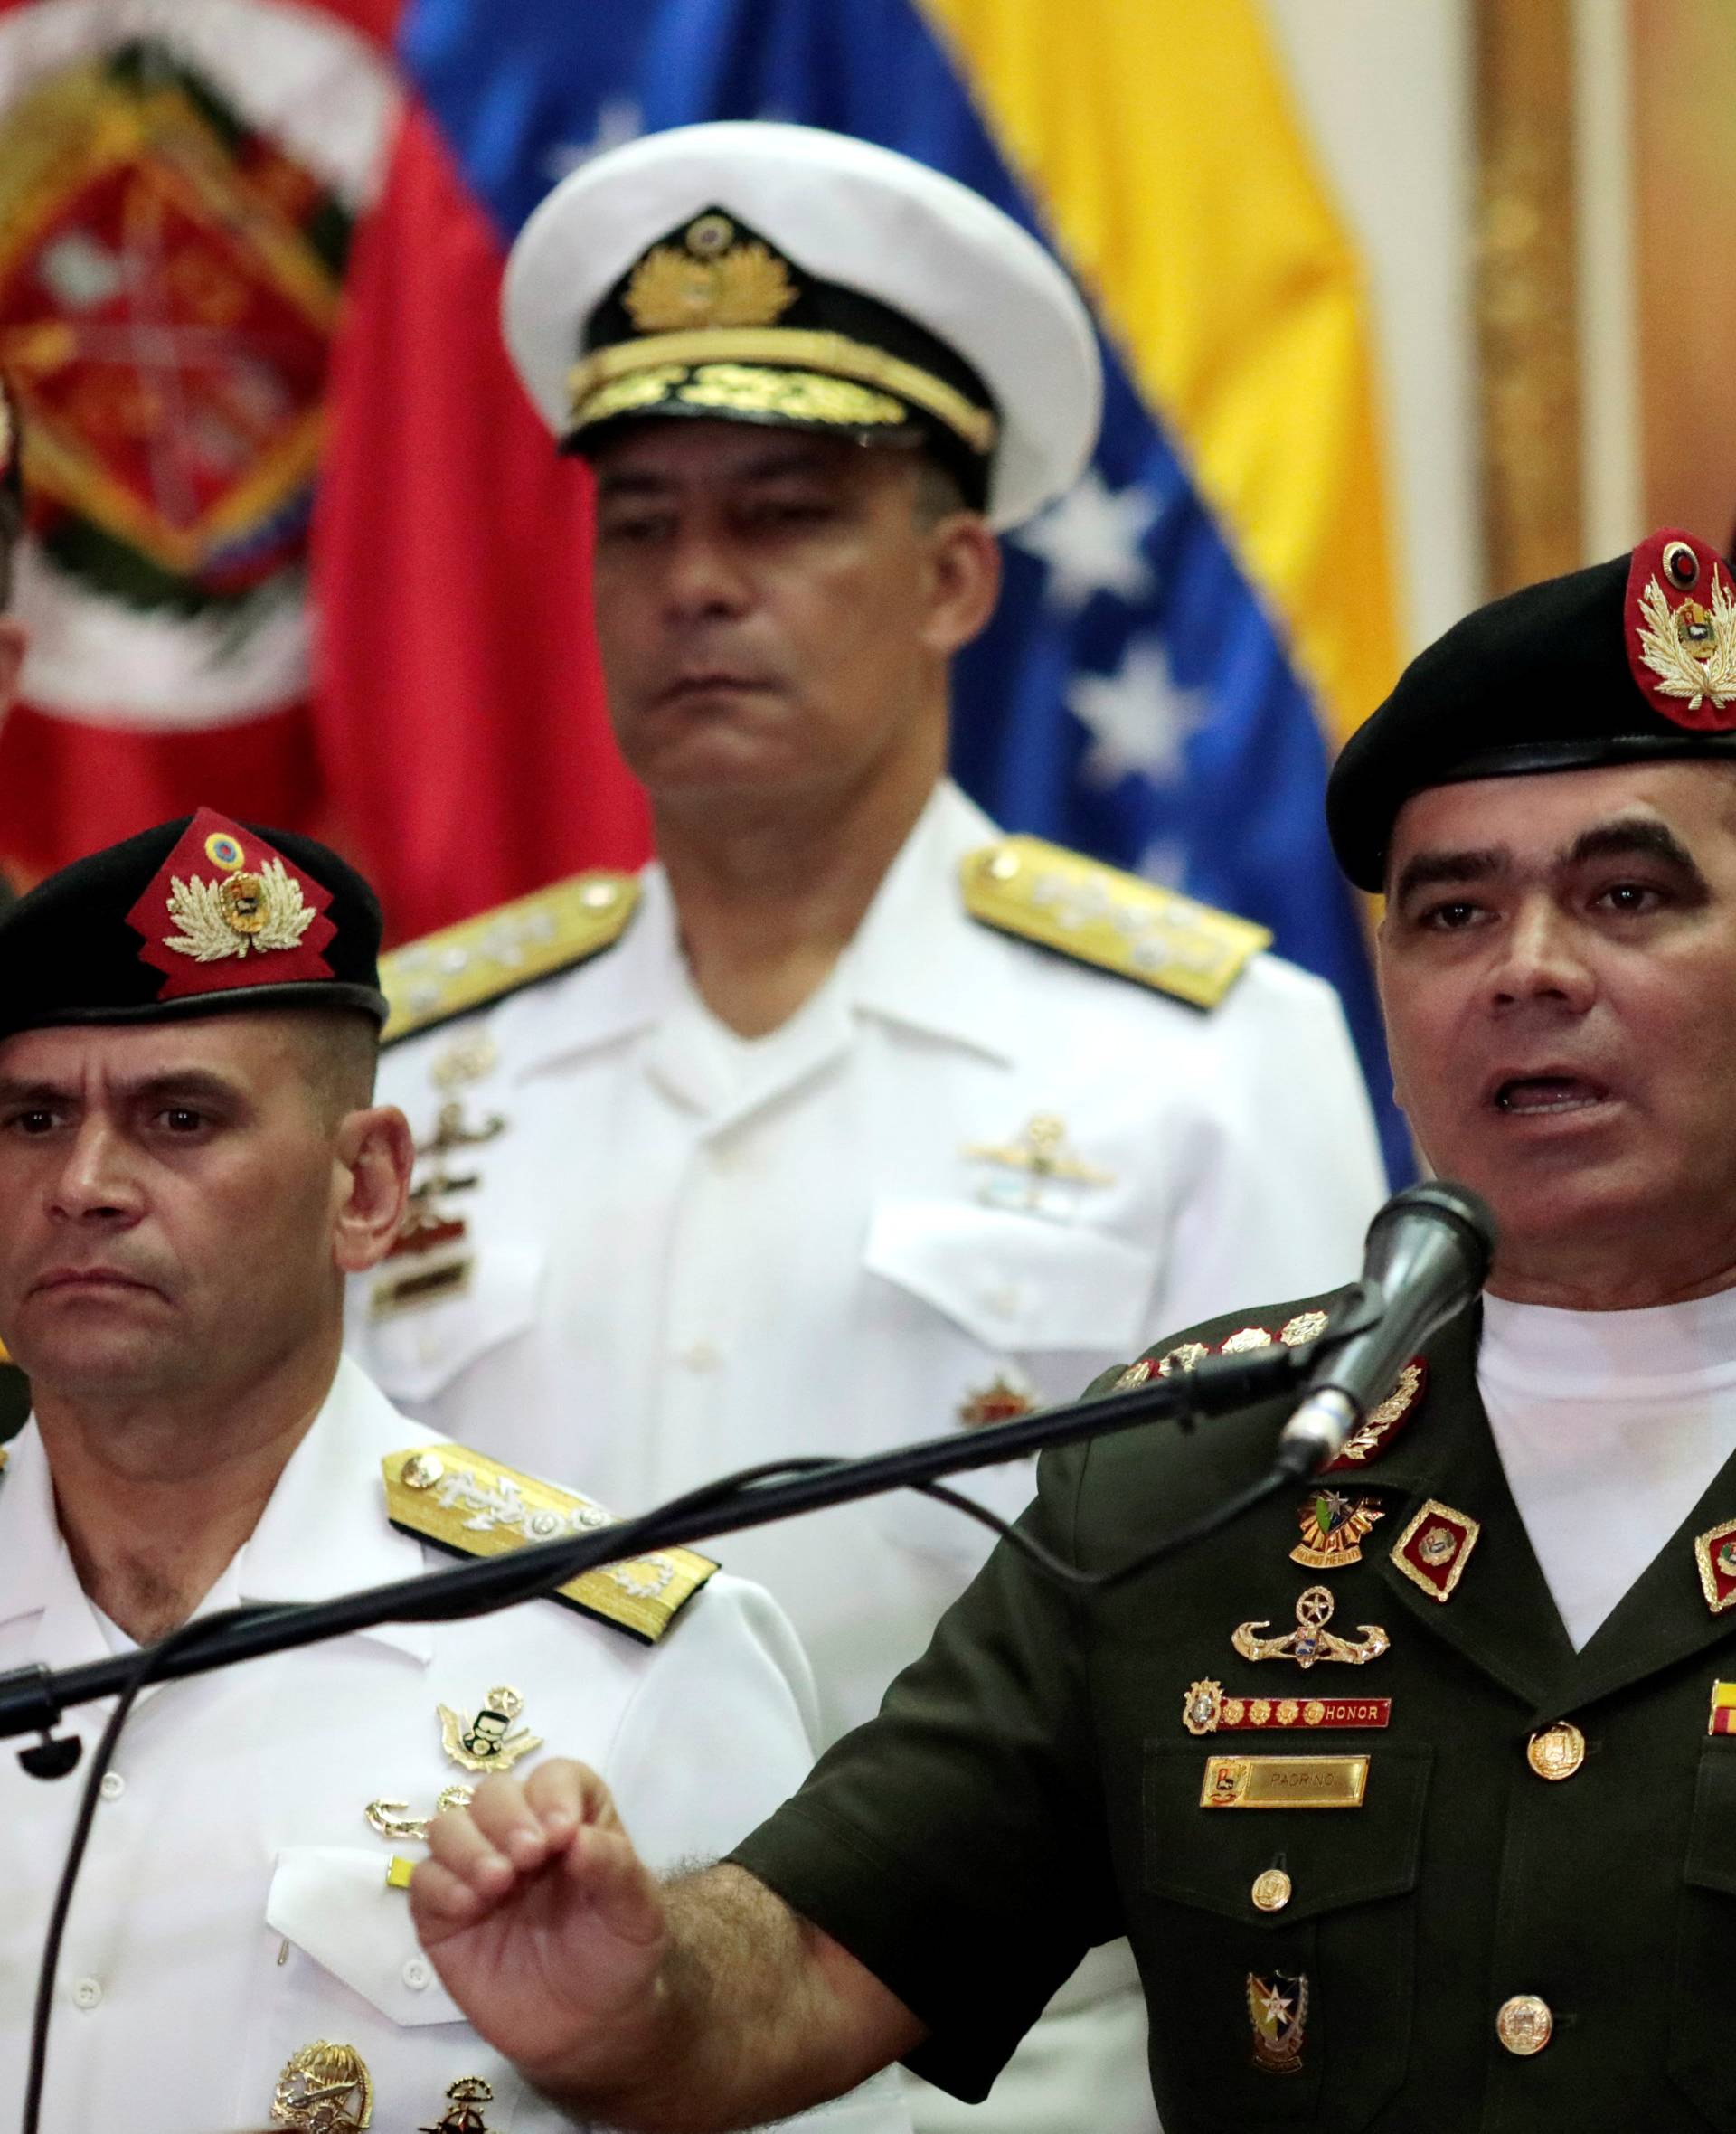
point(226, 912)
point(1382, 1424)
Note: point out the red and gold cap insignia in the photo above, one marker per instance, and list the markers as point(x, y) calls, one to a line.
point(1680, 619)
point(226, 911)
point(1715, 1554)
point(1435, 1547)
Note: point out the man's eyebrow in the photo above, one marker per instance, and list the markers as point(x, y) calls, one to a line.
point(1430, 870)
point(13, 1091)
point(197, 1085)
point(1632, 837)
point(179, 1084)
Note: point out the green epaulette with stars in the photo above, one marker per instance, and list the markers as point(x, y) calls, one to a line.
point(1118, 923)
point(482, 959)
point(471, 1506)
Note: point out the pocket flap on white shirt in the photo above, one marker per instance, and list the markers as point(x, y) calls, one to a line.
point(1015, 1281)
point(332, 1901)
point(414, 1351)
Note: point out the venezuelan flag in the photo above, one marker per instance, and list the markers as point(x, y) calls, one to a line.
point(1183, 640)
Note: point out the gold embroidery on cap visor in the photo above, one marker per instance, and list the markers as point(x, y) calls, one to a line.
point(795, 363)
point(799, 396)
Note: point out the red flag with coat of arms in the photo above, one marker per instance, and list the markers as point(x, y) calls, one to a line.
point(191, 216)
point(178, 187)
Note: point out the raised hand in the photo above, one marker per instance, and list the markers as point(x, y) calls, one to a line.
point(547, 1928)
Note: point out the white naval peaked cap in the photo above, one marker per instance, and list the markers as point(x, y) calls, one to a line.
point(593, 302)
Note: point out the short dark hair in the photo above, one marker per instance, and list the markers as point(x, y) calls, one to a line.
point(341, 1049)
point(939, 491)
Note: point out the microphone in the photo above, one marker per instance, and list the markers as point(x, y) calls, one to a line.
point(1428, 1254)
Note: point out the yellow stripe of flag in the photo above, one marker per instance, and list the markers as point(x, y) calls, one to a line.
point(1160, 139)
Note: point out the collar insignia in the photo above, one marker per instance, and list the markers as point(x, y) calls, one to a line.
point(1715, 1554)
point(1435, 1547)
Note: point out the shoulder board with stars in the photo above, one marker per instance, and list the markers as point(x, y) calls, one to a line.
point(1116, 922)
point(471, 1506)
point(482, 959)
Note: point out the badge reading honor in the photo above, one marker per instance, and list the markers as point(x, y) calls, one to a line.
point(1311, 1641)
point(1277, 2007)
point(1205, 1709)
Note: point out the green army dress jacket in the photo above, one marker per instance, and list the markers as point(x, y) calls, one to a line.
point(1032, 1789)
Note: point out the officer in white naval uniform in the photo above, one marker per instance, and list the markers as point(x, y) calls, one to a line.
point(240, 1945)
point(939, 1160)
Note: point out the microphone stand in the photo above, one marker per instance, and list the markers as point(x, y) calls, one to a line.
point(33, 1699)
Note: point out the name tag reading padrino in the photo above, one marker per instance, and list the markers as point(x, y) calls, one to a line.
point(1284, 1782)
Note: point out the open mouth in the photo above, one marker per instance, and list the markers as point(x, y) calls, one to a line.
point(1548, 1096)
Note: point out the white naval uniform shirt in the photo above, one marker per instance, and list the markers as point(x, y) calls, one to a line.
point(234, 1908)
point(690, 1254)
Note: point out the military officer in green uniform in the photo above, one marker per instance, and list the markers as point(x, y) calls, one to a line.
point(1416, 1793)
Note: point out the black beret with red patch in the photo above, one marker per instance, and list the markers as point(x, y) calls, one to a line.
point(1627, 661)
point(195, 916)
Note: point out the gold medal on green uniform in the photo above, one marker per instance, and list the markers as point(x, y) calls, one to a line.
point(1333, 1530)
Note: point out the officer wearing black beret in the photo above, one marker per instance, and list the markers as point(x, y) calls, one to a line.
point(1416, 1793)
point(192, 1163)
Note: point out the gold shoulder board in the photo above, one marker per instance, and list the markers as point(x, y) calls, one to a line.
point(471, 1506)
point(465, 967)
point(1098, 915)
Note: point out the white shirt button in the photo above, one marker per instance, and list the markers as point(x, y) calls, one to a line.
point(1004, 1302)
point(113, 1785)
point(87, 1993)
point(701, 1355)
point(419, 1974)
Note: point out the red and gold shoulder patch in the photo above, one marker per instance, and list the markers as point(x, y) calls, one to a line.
point(1382, 1424)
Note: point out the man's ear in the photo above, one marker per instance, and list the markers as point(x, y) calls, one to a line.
point(371, 1166)
point(965, 581)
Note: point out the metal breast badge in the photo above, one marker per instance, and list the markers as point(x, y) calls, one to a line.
point(1277, 2008)
point(1311, 1641)
point(1041, 1157)
point(466, 2098)
point(325, 2089)
point(1333, 1530)
point(489, 1741)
